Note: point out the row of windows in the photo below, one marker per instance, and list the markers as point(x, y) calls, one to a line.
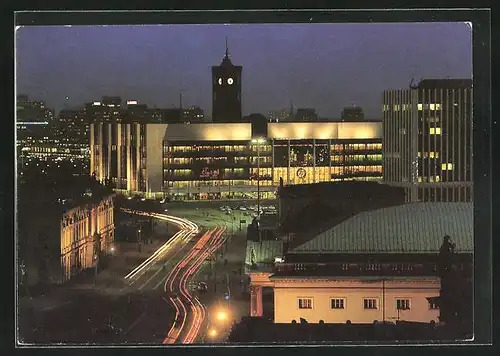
point(265, 148)
point(429, 154)
point(368, 303)
point(404, 107)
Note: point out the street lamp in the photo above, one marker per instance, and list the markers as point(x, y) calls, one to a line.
point(212, 333)
point(258, 141)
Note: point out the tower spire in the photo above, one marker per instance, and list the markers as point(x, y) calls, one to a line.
point(227, 49)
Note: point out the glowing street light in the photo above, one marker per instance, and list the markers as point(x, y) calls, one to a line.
point(212, 332)
point(221, 316)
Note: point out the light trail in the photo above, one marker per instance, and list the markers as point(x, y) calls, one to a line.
point(190, 265)
point(188, 230)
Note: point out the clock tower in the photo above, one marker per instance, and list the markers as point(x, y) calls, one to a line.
point(226, 91)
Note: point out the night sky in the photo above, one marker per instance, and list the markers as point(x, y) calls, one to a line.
point(325, 66)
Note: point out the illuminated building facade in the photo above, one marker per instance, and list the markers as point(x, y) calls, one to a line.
point(220, 160)
point(363, 269)
point(226, 91)
point(211, 160)
point(428, 140)
point(86, 232)
point(69, 237)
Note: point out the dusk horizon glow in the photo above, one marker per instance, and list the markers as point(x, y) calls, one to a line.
point(322, 66)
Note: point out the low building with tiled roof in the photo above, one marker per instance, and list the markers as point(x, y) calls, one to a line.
point(378, 265)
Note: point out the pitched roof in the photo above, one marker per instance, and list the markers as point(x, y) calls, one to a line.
point(409, 228)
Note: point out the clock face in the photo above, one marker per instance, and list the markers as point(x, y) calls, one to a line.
point(301, 173)
point(220, 81)
point(230, 81)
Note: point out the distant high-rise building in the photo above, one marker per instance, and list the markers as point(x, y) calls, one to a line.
point(306, 114)
point(226, 91)
point(279, 115)
point(193, 114)
point(428, 140)
point(108, 109)
point(354, 113)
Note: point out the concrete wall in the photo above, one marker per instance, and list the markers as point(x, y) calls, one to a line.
point(154, 159)
point(286, 294)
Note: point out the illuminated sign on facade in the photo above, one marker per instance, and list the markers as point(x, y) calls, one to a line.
point(96, 103)
point(132, 102)
point(209, 173)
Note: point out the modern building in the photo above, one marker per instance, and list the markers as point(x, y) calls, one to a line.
point(428, 132)
point(108, 109)
point(380, 265)
point(305, 114)
point(211, 160)
point(354, 113)
point(280, 115)
point(226, 91)
point(193, 114)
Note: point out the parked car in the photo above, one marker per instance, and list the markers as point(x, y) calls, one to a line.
point(202, 287)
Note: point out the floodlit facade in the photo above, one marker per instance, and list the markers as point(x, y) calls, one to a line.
point(86, 232)
point(212, 160)
point(428, 140)
point(379, 265)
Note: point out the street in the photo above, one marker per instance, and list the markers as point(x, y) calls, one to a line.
point(154, 300)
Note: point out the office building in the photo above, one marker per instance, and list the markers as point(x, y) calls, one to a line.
point(108, 109)
point(280, 115)
point(364, 269)
point(193, 114)
point(428, 140)
point(212, 160)
point(305, 114)
point(352, 114)
point(226, 91)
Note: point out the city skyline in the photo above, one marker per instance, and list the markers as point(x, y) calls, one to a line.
point(281, 63)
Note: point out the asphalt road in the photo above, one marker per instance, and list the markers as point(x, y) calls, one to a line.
point(142, 312)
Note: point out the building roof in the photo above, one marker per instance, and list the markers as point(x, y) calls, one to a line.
point(324, 130)
point(209, 132)
point(264, 251)
point(409, 228)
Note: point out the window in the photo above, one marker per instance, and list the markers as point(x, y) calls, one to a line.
point(402, 304)
point(305, 303)
point(435, 131)
point(420, 107)
point(337, 303)
point(447, 166)
point(370, 303)
point(433, 304)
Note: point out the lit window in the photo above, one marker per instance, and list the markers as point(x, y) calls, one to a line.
point(305, 303)
point(432, 106)
point(402, 304)
point(435, 131)
point(419, 107)
point(420, 179)
point(337, 303)
point(438, 106)
point(370, 303)
point(447, 166)
point(431, 179)
point(438, 178)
